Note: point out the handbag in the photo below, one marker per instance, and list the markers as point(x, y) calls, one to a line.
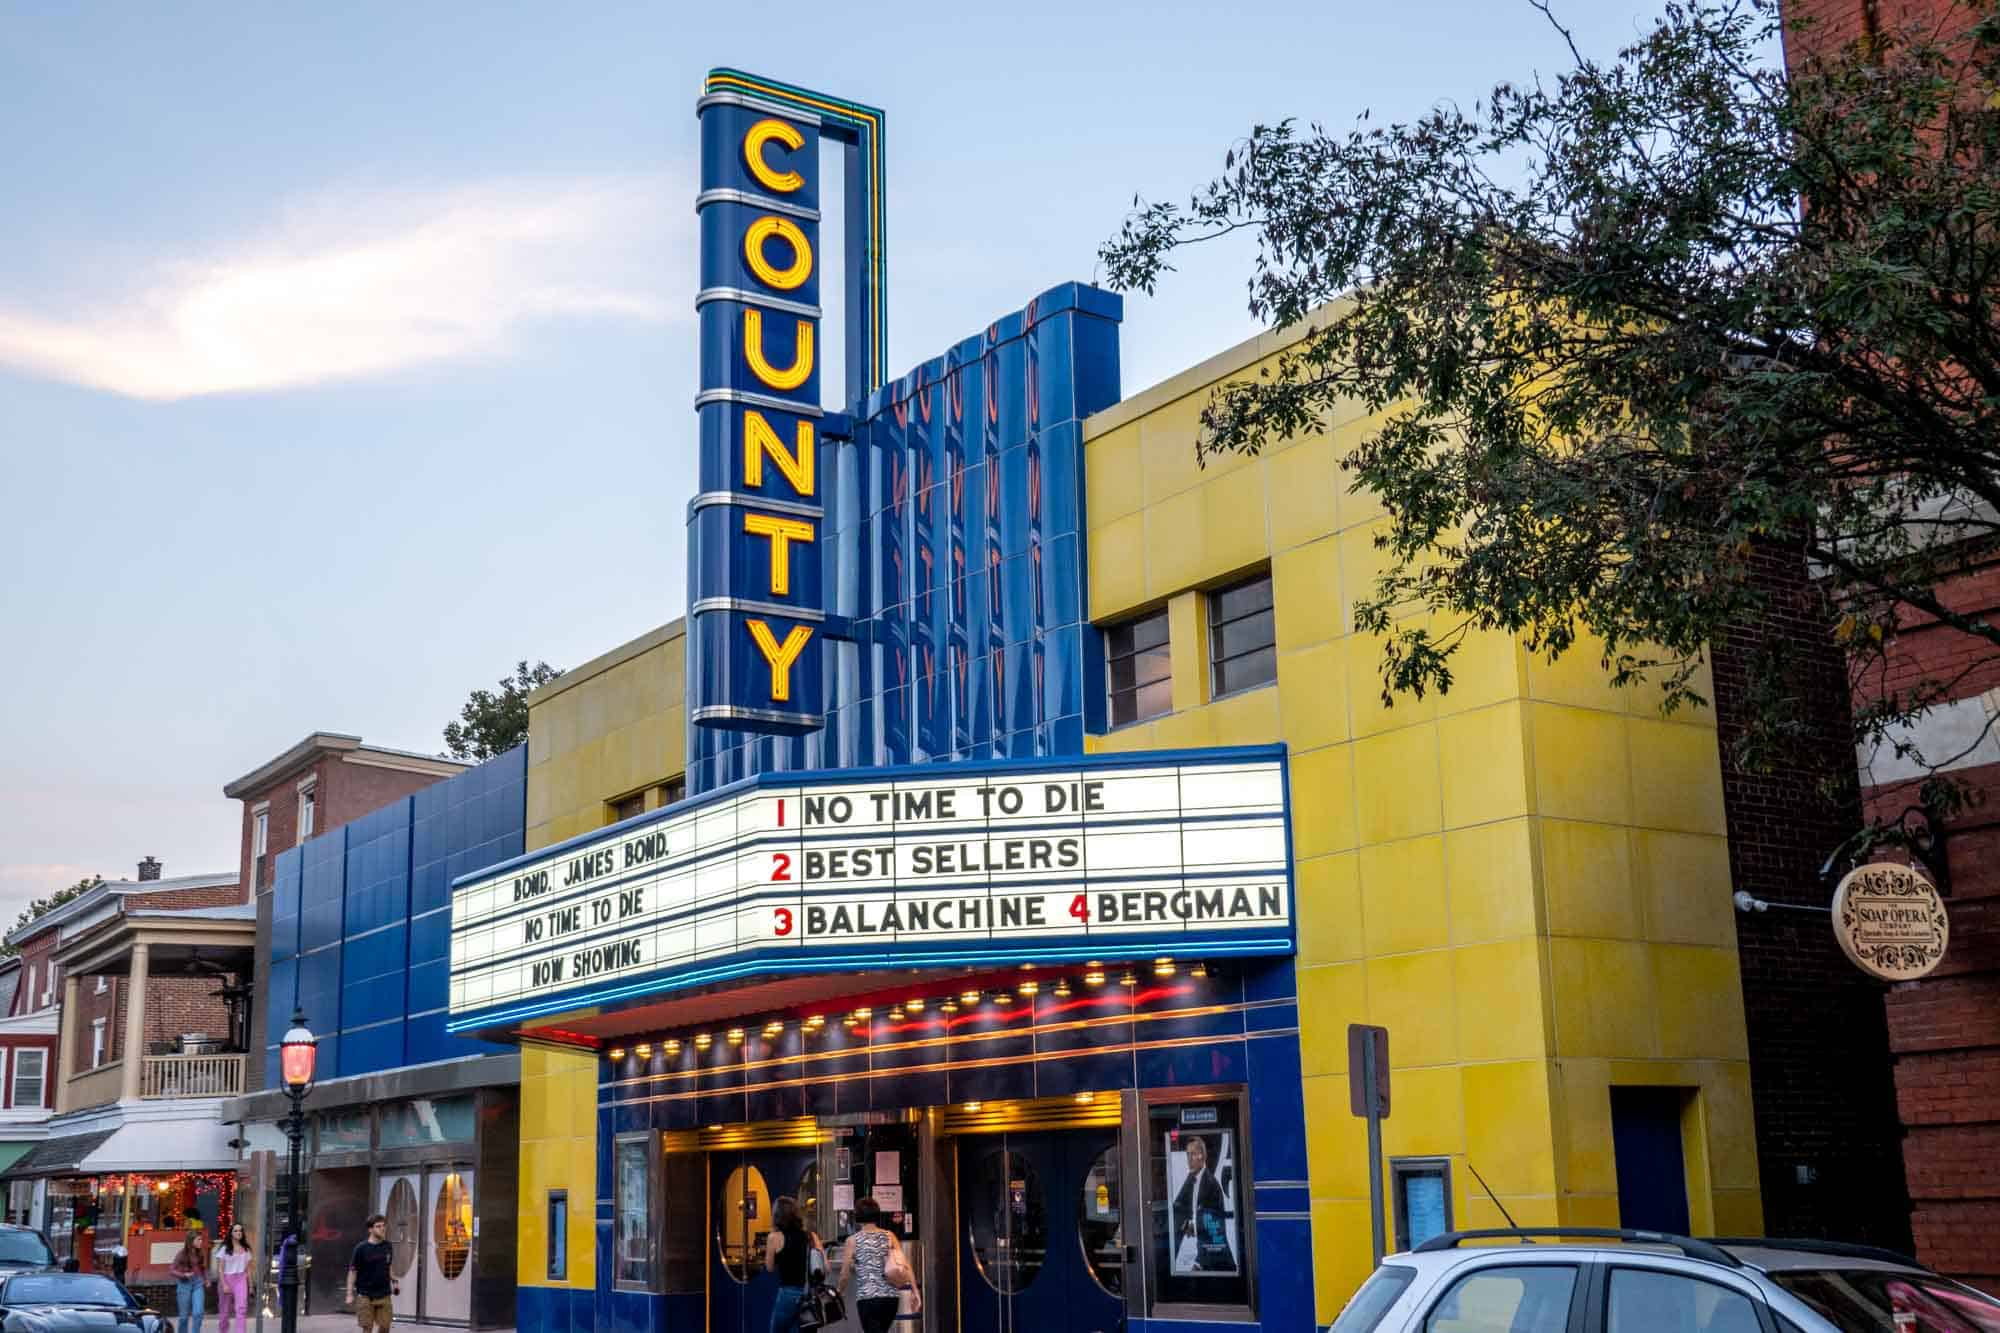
point(826, 1305)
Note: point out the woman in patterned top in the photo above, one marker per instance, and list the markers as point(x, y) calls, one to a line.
point(870, 1256)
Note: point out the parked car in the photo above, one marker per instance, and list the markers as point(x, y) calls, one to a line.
point(26, 1250)
point(72, 1303)
point(1602, 1281)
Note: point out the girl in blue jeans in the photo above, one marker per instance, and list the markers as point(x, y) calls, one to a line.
point(788, 1251)
point(190, 1272)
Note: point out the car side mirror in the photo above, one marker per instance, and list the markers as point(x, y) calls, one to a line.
point(70, 1265)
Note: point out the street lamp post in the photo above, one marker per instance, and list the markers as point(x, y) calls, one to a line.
point(297, 1055)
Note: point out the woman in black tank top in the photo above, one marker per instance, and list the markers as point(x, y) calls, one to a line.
point(788, 1253)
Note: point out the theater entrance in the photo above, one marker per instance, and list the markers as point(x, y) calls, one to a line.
point(1041, 1238)
point(743, 1187)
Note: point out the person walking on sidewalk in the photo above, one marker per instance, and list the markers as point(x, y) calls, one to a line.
point(190, 1273)
point(368, 1274)
point(232, 1278)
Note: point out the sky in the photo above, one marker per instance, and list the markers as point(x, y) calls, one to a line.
point(347, 352)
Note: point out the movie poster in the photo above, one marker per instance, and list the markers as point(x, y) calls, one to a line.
point(1201, 1183)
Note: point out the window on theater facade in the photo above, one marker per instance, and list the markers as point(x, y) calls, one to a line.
point(675, 790)
point(1141, 668)
point(627, 806)
point(635, 1183)
point(558, 1235)
point(1198, 1227)
point(30, 1075)
point(1242, 637)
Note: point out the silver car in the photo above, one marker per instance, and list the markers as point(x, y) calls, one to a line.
point(1524, 1280)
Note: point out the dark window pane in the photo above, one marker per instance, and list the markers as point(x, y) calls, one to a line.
point(1156, 699)
point(1242, 599)
point(1650, 1302)
point(1246, 672)
point(1150, 631)
point(1151, 665)
point(1243, 636)
point(1526, 1299)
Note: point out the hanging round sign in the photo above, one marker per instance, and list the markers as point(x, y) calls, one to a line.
point(1890, 921)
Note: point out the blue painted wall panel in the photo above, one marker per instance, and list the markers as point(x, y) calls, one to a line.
point(361, 927)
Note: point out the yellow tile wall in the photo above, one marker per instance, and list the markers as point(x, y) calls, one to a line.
point(1524, 879)
point(610, 727)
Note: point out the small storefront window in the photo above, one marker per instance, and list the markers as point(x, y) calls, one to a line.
point(636, 1186)
point(425, 1120)
point(1422, 1192)
point(344, 1131)
point(1197, 1226)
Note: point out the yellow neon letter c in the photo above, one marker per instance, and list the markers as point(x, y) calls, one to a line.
point(770, 131)
point(753, 350)
point(783, 279)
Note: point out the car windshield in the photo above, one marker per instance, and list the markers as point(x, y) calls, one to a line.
point(1862, 1300)
point(63, 1289)
point(25, 1247)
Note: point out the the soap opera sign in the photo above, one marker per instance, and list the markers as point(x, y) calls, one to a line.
point(754, 587)
point(1117, 857)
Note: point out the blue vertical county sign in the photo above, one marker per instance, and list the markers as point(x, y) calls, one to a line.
point(757, 607)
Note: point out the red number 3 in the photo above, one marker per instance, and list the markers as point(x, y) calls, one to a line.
point(784, 920)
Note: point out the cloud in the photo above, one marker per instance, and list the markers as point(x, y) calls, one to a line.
point(364, 283)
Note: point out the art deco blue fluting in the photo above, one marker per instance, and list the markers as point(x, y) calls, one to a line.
point(953, 543)
point(361, 920)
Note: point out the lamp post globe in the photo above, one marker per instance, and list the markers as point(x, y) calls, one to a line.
point(298, 1055)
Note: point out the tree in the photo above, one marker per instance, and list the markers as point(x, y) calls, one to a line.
point(41, 907)
point(490, 723)
point(1623, 333)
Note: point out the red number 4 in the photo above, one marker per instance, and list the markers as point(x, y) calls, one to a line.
point(1079, 907)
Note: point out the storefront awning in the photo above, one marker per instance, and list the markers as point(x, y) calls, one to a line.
point(137, 1147)
point(11, 1153)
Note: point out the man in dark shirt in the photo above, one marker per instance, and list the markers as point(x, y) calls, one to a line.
point(368, 1274)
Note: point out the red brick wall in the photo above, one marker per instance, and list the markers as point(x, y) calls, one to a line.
point(1841, 23)
point(1819, 1059)
point(36, 954)
point(346, 792)
point(173, 1005)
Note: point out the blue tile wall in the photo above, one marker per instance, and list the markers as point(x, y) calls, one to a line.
point(953, 535)
point(361, 920)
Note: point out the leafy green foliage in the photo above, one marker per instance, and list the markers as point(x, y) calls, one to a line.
point(491, 723)
point(41, 907)
point(1611, 355)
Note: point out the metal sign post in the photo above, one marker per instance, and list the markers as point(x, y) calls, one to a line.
point(1368, 1096)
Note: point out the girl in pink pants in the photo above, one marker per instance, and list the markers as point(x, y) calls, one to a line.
point(232, 1278)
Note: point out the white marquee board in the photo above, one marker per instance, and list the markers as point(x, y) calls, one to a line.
point(901, 866)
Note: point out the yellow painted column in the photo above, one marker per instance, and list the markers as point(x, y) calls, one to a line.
point(558, 1152)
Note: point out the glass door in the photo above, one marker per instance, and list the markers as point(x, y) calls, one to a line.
point(1041, 1248)
point(747, 1185)
point(448, 1244)
point(399, 1205)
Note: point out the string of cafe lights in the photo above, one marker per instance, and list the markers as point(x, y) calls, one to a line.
point(1094, 977)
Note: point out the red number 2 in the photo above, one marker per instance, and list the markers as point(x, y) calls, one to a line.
point(784, 920)
point(782, 867)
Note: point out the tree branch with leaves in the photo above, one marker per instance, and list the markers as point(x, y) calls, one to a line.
point(1622, 329)
point(493, 723)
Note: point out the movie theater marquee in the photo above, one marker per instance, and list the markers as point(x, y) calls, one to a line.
point(981, 865)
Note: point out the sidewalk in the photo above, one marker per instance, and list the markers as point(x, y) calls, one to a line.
point(336, 1323)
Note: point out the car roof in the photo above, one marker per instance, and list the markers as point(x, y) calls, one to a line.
point(1781, 1258)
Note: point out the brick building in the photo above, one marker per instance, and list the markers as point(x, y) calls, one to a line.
point(326, 780)
point(1944, 1031)
point(27, 1079)
point(152, 974)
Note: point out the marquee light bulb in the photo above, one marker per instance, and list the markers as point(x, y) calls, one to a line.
point(773, 1028)
point(1029, 988)
point(1062, 989)
point(1163, 967)
point(1085, 1098)
point(673, 1046)
point(735, 1036)
point(1128, 980)
point(975, 1106)
point(949, 1007)
point(643, 1050)
point(618, 1052)
point(1094, 977)
point(1002, 997)
point(968, 998)
point(702, 1041)
point(915, 1004)
point(896, 1014)
point(864, 1012)
point(1199, 971)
